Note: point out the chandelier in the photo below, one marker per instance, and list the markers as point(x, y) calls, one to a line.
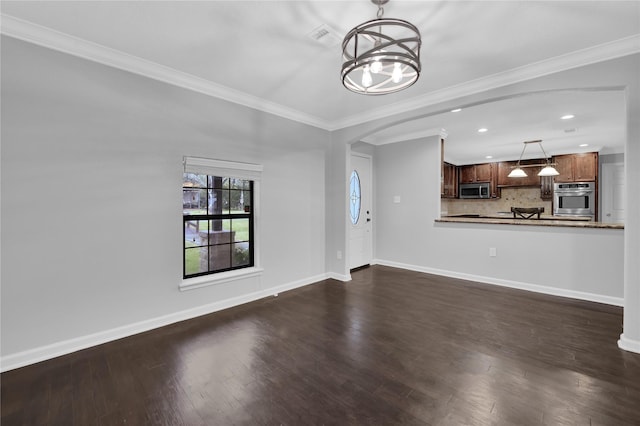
point(381, 56)
point(548, 169)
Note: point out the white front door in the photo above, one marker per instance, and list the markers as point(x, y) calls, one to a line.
point(360, 217)
point(612, 188)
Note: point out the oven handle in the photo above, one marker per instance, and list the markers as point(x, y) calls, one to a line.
point(576, 194)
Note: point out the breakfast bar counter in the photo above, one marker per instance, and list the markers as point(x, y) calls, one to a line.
point(571, 222)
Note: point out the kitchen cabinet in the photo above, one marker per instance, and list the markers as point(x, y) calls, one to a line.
point(585, 166)
point(449, 181)
point(576, 167)
point(546, 187)
point(467, 173)
point(564, 166)
point(448, 176)
point(484, 172)
point(532, 179)
point(473, 173)
point(493, 179)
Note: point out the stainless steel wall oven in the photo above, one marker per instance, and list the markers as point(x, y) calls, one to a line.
point(574, 199)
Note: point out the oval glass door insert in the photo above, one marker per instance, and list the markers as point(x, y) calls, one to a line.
point(354, 197)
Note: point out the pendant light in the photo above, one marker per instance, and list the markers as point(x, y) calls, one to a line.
point(381, 56)
point(517, 172)
point(548, 169)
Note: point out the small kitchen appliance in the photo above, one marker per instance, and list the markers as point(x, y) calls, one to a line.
point(475, 190)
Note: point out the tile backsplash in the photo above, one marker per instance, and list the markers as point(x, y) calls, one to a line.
point(511, 197)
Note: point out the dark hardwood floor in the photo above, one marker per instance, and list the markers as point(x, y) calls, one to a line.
point(391, 347)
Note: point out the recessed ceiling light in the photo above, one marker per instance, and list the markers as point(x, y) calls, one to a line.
point(567, 117)
point(456, 110)
point(489, 157)
point(482, 130)
point(582, 145)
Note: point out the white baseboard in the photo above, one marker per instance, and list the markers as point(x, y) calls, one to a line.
point(554, 291)
point(31, 356)
point(629, 344)
point(339, 277)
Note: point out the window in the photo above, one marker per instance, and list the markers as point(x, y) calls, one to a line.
point(218, 216)
point(354, 197)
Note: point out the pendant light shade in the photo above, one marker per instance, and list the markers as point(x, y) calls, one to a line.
point(381, 56)
point(517, 173)
point(548, 170)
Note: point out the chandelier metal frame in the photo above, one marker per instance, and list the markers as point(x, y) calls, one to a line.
point(381, 56)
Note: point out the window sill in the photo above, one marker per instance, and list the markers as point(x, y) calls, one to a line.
point(221, 278)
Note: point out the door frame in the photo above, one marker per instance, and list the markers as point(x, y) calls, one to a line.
point(371, 215)
point(606, 184)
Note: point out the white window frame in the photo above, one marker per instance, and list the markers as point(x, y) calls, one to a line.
point(236, 170)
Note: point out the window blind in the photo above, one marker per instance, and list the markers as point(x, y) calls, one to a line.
point(207, 166)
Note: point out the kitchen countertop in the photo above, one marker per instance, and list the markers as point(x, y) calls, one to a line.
point(545, 220)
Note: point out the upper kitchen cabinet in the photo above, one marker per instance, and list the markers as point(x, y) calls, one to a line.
point(505, 167)
point(484, 172)
point(449, 181)
point(564, 166)
point(576, 167)
point(585, 166)
point(448, 176)
point(476, 173)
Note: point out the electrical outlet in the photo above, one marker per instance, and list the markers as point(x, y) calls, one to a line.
point(493, 252)
point(339, 254)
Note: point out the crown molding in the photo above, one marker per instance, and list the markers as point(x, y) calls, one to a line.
point(52, 39)
point(437, 131)
point(591, 55)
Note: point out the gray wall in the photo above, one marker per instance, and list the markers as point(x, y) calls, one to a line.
point(91, 196)
point(616, 273)
point(611, 158)
point(586, 263)
point(91, 226)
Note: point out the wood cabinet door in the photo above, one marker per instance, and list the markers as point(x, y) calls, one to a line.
point(585, 166)
point(546, 187)
point(483, 172)
point(467, 174)
point(495, 192)
point(564, 166)
point(450, 181)
point(505, 167)
point(532, 178)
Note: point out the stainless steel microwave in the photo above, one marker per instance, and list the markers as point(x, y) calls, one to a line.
point(474, 190)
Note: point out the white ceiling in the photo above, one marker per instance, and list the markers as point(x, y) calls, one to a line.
point(259, 53)
point(599, 122)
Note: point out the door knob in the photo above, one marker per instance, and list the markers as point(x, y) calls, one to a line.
point(368, 220)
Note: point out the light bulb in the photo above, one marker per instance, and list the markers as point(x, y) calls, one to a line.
point(376, 67)
point(367, 80)
point(396, 76)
